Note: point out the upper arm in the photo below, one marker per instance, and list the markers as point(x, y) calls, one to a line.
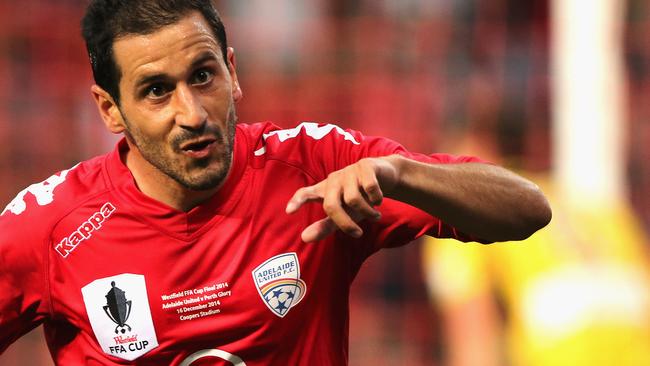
point(23, 256)
point(22, 279)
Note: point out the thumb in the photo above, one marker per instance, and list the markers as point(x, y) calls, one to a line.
point(318, 230)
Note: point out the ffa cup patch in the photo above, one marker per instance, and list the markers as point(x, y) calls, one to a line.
point(278, 283)
point(119, 313)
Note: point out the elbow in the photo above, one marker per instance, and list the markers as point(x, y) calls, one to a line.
point(537, 214)
point(529, 216)
point(544, 215)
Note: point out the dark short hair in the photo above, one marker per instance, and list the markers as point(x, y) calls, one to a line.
point(107, 20)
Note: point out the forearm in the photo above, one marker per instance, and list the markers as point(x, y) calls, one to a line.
point(479, 199)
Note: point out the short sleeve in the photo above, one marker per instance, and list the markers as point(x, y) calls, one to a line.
point(401, 223)
point(321, 149)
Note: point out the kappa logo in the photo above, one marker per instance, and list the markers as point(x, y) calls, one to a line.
point(85, 230)
point(278, 282)
point(110, 304)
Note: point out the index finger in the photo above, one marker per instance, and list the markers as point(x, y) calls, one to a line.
point(303, 195)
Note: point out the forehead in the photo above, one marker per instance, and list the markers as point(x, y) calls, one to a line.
point(165, 49)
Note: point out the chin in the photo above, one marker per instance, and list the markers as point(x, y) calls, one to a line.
point(204, 185)
point(206, 181)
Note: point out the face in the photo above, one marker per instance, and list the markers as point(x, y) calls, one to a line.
point(177, 106)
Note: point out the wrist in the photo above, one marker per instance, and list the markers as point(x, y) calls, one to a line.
point(389, 173)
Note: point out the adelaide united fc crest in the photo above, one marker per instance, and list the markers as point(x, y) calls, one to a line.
point(278, 282)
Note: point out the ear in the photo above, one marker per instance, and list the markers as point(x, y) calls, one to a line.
point(237, 94)
point(108, 109)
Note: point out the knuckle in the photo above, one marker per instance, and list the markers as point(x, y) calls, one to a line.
point(354, 200)
point(371, 187)
point(374, 193)
point(334, 175)
point(368, 164)
point(330, 208)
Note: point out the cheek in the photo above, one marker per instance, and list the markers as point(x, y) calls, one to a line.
point(152, 126)
point(149, 133)
point(218, 103)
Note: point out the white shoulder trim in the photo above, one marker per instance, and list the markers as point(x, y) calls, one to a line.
point(43, 191)
point(312, 130)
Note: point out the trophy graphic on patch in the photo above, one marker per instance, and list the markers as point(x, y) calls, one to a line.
point(118, 308)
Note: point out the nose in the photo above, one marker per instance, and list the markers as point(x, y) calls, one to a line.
point(190, 113)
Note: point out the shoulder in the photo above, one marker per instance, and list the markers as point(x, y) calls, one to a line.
point(29, 220)
point(330, 144)
point(270, 137)
point(311, 143)
point(37, 207)
point(314, 148)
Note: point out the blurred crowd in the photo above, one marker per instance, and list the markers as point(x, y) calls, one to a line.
point(461, 76)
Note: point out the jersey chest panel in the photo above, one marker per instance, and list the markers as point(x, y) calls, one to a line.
point(245, 284)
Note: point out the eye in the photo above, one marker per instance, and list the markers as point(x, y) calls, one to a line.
point(156, 91)
point(202, 76)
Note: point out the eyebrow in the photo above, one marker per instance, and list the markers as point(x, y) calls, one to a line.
point(161, 77)
point(202, 58)
point(151, 79)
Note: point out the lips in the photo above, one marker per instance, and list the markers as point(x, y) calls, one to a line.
point(198, 148)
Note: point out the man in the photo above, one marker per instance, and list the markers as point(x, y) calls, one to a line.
point(198, 240)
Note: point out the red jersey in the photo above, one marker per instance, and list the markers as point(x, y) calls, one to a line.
point(119, 278)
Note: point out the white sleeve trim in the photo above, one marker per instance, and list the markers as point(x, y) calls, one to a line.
point(312, 130)
point(43, 191)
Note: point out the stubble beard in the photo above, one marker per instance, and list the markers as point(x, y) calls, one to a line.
point(207, 177)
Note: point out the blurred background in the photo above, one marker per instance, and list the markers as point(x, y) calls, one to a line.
point(556, 90)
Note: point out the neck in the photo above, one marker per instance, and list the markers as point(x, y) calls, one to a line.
point(159, 186)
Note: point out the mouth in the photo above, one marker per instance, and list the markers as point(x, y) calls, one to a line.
point(198, 149)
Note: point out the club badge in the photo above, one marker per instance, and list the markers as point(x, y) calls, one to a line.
point(119, 313)
point(278, 282)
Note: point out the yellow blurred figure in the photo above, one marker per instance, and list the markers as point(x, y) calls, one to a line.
point(576, 293)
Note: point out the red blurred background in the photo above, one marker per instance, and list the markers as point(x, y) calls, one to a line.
point(417, 71)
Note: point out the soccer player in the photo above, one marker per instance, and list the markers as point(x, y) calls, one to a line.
point(201, 240)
